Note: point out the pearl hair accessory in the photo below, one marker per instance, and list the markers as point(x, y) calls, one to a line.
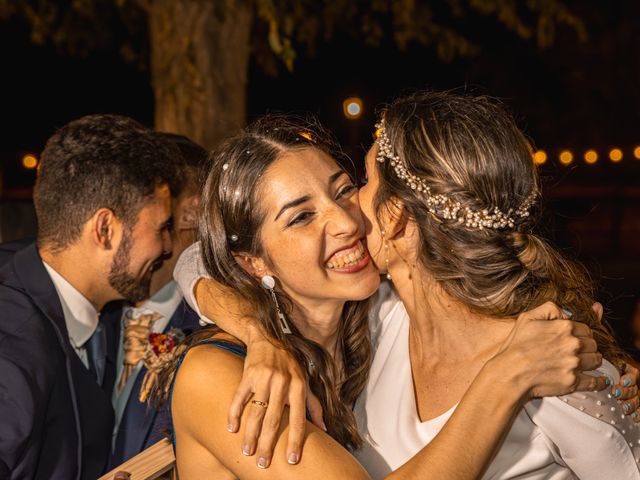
point(441, 205)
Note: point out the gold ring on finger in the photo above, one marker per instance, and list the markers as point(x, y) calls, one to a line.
point(260, 404)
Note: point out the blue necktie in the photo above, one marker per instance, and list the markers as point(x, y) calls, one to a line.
point(97, 352)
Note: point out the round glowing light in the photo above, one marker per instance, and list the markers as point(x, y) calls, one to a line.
point(566, 157)
point(636, 152)
point(540, 157)
point(29, 161)
point(591, 157)
point(615, 155)
point(352, 108)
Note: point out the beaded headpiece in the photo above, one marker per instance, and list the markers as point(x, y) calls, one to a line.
point(441, 205)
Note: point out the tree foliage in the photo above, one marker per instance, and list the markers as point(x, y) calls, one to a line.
point(286, 28)
point(198, 51)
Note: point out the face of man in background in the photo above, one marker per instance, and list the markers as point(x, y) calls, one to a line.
point(142, 248)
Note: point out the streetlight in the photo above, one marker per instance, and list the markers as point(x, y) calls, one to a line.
point(29, 161)
point(352, 108)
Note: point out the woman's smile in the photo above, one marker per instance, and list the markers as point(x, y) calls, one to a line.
point(350, 259)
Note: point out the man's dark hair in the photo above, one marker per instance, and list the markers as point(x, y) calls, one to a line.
point(97, 161)
point(192, 167)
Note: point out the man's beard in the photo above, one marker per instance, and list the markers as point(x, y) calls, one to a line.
point(132, 289)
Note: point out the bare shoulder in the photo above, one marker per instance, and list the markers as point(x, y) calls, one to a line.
point(208, 368)
point(204, 388)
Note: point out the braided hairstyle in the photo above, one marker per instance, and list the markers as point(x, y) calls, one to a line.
point(470, 150)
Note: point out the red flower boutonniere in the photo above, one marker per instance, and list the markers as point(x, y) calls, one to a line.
point(161, 349)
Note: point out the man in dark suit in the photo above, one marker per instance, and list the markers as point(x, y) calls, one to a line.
point(102, 200)
point(139, 425)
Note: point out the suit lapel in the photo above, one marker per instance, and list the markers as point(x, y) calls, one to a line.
point(35, 281)
point(38, 285)
point(111, 318)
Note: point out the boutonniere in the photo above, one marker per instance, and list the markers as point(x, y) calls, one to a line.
point(161, 349)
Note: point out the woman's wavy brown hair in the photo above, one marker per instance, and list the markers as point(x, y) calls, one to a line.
point(469, 149)
point(230, 221)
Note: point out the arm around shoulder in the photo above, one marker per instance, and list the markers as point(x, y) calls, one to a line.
point(204, 387)
point(214, 303)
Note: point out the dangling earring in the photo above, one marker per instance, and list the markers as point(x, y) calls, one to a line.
point(385, 245)
point(404, 260)
point(269, 283)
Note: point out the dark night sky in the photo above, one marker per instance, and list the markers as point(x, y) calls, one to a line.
point(571, 95)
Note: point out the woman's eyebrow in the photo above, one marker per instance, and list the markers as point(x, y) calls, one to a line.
point(336, 176)
point(291, 204)
point(298, 201)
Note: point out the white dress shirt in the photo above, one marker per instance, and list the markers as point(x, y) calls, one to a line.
point(164, 302)
point(80, 316)
point(188, 270)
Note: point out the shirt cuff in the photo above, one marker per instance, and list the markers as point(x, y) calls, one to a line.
point(188, 270)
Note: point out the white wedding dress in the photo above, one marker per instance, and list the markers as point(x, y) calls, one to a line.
point(583, 435)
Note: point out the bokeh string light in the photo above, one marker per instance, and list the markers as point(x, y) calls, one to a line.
point(29, 161)
point(591, 156)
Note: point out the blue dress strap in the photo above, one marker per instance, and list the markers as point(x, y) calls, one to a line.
point(222, 344)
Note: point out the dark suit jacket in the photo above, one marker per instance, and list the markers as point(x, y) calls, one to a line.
point(142, 425)
point(8, 249)
point(55, 420)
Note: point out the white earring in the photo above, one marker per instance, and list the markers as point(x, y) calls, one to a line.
point(269, 283)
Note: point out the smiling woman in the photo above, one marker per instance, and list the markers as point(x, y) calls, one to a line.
point(273, 191)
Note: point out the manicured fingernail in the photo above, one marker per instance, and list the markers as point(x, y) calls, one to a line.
point(263, 462)
point(324, 426)
point(617, 393)
point(246, 450)
point(231, 428)
point(293, 458)
point(627, 382)
point(627, 407)
point(568, 313)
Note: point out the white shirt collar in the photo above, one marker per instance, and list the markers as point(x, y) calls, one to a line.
point(80, 316)
point(164, 302)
